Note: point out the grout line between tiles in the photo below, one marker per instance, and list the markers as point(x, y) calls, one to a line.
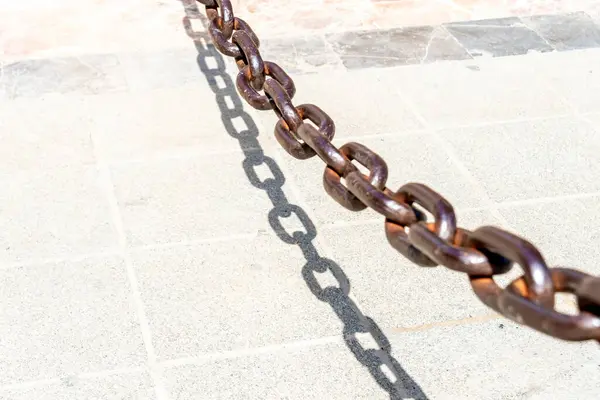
point(448, 149)
point(117, 219)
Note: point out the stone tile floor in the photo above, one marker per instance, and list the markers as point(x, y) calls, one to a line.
point(147, 211)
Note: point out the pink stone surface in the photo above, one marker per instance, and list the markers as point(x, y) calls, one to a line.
point(42, 28)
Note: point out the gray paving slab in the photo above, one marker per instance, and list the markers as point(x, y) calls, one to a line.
point(229, 296)
point(362, 113)
point(87, 74)
point(566, 31)
point(178, 200)
point(533, 159)
point(134, 386)
point(577, 218)
point(393, 47)
point(38, 134)
point(466, 93)
point(472, 361)
point(55, 213)
point(497, 37)
point(575, 75)
point(305, 54)
point(167, 122)
point(67, 318)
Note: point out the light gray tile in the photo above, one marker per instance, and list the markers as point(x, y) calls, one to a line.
point(565, 231)
point(566, 31)
point(392, 290)
point(575, 75)
point(445, 362)
point(67, 318)
point(189, 199)
point(410, 158)
point(321, 372)
point(359, 102)
point(525, 160)
point(86, 74)
point(386, 48)
point(463, 93)
point(229, 295)
point(160, 69)
point(182, 121)
point(53, 214)
point(134, 386)
point(39, 134)
point(497, 37)
point(497, 360)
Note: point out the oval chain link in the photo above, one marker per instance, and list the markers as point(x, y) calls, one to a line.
point(482, 254)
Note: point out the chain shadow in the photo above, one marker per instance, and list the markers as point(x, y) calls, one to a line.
point(383, 367)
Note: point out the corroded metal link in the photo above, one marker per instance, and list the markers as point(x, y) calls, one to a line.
point(255, 99)
point(288, 139)
point(514, 303)
point(251, 58)
point(220, 41)
point(324, 148)
point(588, 294)
point(537, 275)
point(454, 255)
point(378, 173)
point(444, 221)
point(284, 108)
point(383, 201)
point(223, 9)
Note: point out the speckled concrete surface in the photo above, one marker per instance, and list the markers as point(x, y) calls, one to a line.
point(148, 212)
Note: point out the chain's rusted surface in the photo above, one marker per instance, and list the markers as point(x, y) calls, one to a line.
point(481, 254)
point(288, 139)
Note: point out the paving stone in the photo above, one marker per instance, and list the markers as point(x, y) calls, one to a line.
point(169, 122)
point(392, 290)
point(89, 74)
point(54, 213)
point(181, 199)
point(386, 48)
point(38, 134)
point(93, 295)
point(575, 75)
point(409, 157)
point(305, 54)
point(354, 100)
point(465, 93)
point(160, 69)
point(471, 361)
point(134, 386)
point(566, 31)
point(565, 231)
point(230, 295)
point(497, 37)
point(526, 160)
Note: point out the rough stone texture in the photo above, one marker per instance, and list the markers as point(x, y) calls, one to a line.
point(157, 243)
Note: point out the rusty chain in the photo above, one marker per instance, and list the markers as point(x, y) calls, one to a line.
point(481, 254)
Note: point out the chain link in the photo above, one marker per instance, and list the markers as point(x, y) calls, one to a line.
point(481, 254)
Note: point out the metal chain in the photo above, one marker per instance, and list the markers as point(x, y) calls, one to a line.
point(481, 254)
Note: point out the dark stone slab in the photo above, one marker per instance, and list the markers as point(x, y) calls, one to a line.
point(567, 31)
point(83, 75)
point(497, 37)
point(300, 55)
point(387, 48)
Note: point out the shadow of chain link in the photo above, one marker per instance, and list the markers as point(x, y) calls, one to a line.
point(400, 385)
